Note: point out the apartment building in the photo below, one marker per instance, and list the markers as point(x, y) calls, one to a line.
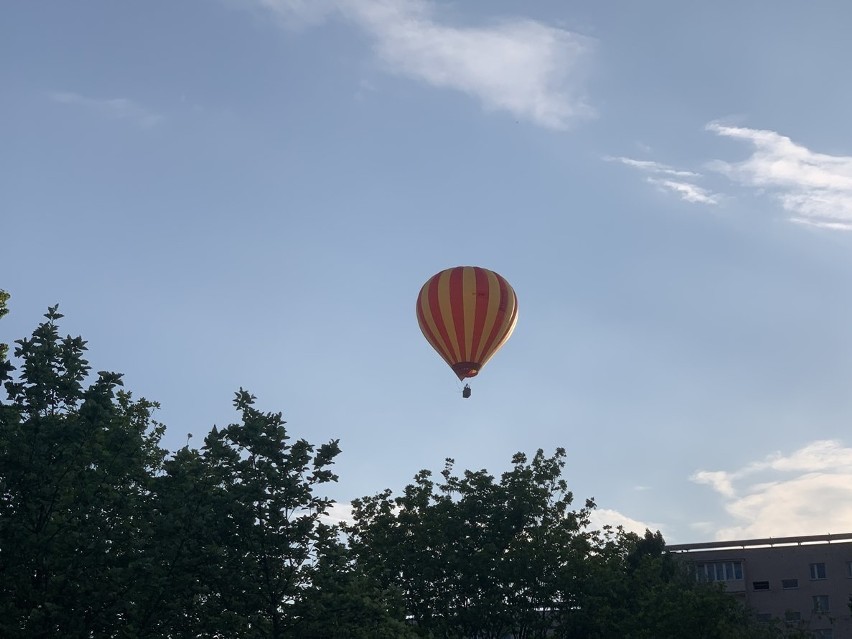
point(805, 581)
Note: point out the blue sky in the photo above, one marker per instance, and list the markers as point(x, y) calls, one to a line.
point(251, 193)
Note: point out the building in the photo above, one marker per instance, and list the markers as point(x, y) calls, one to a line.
point(806, 581)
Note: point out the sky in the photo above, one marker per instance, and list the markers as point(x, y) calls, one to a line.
point(250, 193)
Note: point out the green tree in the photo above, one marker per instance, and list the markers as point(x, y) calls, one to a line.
point(75, 464)
point(248, 525)
point(5, 366)
point(182, 518)
point(637, 590)
point(103, 534)
point(343, 603)
point(475, 557)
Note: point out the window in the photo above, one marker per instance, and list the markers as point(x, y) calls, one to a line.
point(789, 584)
point(824, 633)
point(792, 618)
point(719, 571)
point(821, 603)
point(764, 616)
point(760, 585)
point(817, 571)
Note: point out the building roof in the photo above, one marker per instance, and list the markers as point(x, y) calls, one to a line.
point(765, 542)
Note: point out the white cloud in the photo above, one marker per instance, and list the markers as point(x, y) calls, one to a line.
point(606, 516)
point(834, 226)
point(686, 190)
point(116, 108)
point(652, 167)
point(661, 175)
point(816, 456)
point(806, 492)
point(521, 66)
point(815, 187)
point(339, 513)
point(719, 480)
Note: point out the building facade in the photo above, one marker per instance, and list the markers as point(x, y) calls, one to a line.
point(805, 581)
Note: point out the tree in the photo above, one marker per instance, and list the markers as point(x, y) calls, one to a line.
point(5, 366)
point(249, 528)
point(343, 603)
point(478, 558)
point(638, 590)
point(104, 534)
point(75, 463)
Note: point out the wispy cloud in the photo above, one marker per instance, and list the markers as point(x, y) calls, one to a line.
point(667, 178)
point(686, 190)
point(815, 187)
point(601, 517)
point(806, 492)
point(115, 108)
point(529, 69)
point(650, 166)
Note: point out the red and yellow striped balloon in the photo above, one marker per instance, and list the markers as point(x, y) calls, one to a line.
point(467, 313)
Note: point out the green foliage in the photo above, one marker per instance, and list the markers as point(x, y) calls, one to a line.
point(105, 534)
point(5, 367)
point(343, 603)
point(476, 557)
point(255, 553)
point(639, 591)
point(75, 464)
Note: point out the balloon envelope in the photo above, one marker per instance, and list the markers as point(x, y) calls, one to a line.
point(467, 313)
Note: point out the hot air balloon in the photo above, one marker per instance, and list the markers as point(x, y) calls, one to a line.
point(467, 313)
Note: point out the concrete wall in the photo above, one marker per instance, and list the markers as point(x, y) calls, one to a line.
point(788, 559)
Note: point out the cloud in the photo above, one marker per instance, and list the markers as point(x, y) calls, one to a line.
point(601, 517)
point(806, 492)
point(815, 187)
point(116, 108)
point(652, 167)
point(719, 480)
point(520, 66)
point(834, 226)
point(686, 190)
point(670, 179)
point(339, 513)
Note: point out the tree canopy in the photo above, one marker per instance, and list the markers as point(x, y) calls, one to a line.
point(104, 533)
